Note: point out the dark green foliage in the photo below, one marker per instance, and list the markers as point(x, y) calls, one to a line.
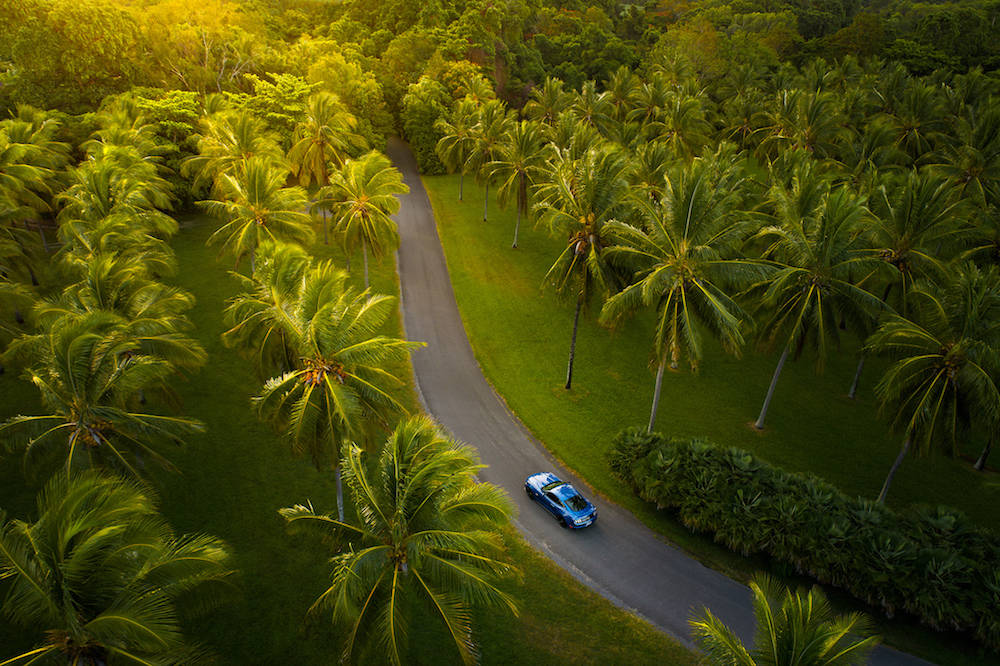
point(931, 562)
point(424, 104)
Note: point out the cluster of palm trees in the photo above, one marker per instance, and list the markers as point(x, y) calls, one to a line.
point(790, 208)
point(99, 570)
point(250, 172)
point(424, 536)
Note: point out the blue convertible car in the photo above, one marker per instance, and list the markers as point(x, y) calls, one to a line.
point(562, 500)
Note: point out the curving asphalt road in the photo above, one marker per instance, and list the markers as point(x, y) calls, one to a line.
point(618, 557)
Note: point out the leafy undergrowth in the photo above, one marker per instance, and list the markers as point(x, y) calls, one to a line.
point(237, 474)
point(520, 333)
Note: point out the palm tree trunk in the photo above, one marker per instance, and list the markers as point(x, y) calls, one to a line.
point(981, 462)
point(41, 233)
point(759, 423)
point(461, 183)
point(253, 261)
point(861, 362)
point(656, 397)
point(516, 227)
point(340, 493)
point(572, 344)
point(486, 199)
point(364, 254)
point(857, 376)
point(892, 471)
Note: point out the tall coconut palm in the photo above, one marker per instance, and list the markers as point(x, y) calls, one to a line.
point(518, 164)
point(129, 188)
point(944, 379)
point(972, 160)
point(341, 387)
point(457, 139)
point(100, 578)
point(914, 220)
point(804, 121)
point(487, 137)
point(21, 175)
point(363, 199)
point(118, 235)
point(682, 125)
point(682, 256)
point(151, 314)
point(621, 88)
point(548, 101)
point(815, 246)
point(647, 169)
point(258, 207)
point(263, 318)
point(918, 121)
point(576, 203)
point(794, 628)
point(593, 108)
point(426, 540)
point(326, 137)
point(227, 143)
point(90, 376)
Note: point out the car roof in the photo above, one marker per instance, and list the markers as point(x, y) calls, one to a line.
point(564, 491)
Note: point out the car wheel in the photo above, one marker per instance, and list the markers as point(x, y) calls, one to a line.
point(563, 523)
point(528, 492)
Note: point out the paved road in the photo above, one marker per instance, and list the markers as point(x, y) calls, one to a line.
point(618, 557)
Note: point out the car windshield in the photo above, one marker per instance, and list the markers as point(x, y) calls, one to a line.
point(576, 503)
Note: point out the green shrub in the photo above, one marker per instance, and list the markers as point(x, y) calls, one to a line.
point(931, 562)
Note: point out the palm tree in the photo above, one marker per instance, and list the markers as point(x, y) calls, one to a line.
point(117, 235)
point(913, 219)
point(258, 207)
point(593, 108)
point(621, 88)
point(547, 102)
point(457, 139)
point(151, 314)
point(918, 120)
point(487, 136)
point(229, 141)
point(340, 387)
point(363, 199)
point(681, 255)
point(263, 317)
point(15, 300)
point(972, 161)
point(426, 540)
point(682, 125)
point(948, 359)
point(804, 121)
point(819, 262)
point(126, 186)
point(106, 578)
point(90, 374)
point(518, 164)
point(794, 628)
point(325, 137)
point(576, 203)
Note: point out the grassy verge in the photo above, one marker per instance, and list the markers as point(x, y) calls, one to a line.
point(520, 334)
point(236, 476)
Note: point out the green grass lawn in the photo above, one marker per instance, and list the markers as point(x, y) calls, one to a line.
point(237, 474)
point(520, 333)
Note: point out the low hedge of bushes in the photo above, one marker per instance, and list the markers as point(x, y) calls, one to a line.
point(931, 562)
